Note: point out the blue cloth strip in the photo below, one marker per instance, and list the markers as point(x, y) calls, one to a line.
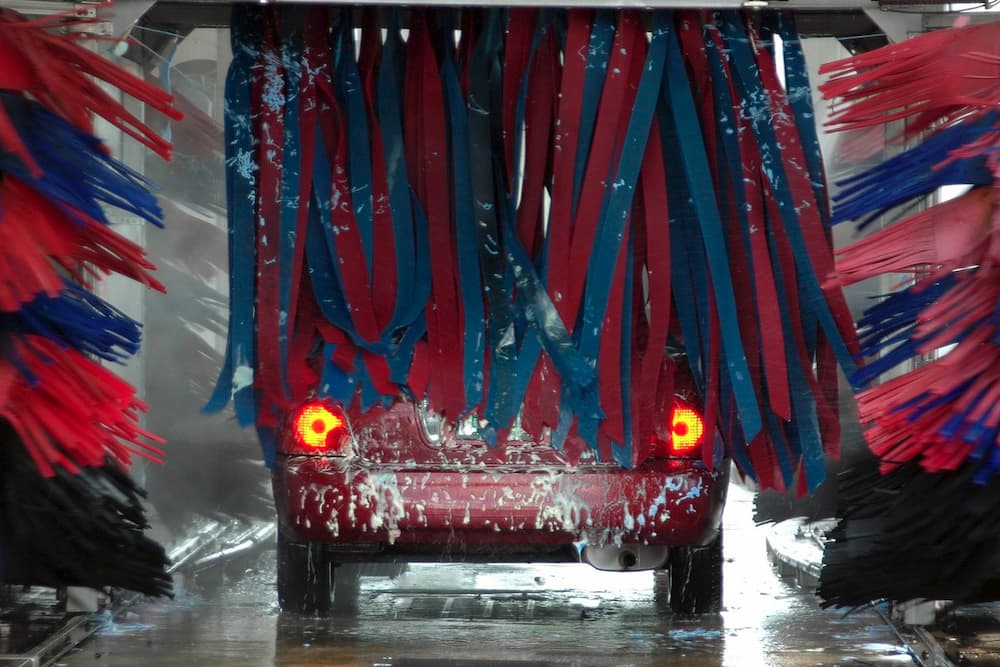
point(291, 170)
point(683, 224)
point(413, 284)
point(799, 90)
point(507, 313)
point(466, 234)
point(750, 88)
point(623, 451)
point(700, 184)
point(803, 431)
point(359, 162)
point(485, 83)
point(602, 34)
point(611, 228)
point(236, 377)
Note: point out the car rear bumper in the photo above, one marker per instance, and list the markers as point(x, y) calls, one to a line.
point(321, 499)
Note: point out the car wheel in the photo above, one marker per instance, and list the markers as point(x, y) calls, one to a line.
point(695, 579)
point(347, 586)
point(305, 577)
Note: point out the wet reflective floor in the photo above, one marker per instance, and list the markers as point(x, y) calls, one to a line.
point(527, 616)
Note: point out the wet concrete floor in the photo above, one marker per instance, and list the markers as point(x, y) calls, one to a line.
point(456, 615)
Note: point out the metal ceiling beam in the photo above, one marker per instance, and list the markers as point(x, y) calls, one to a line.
point(938, 20)
point(196, 14)
point(808, 5)
point(814, 18)
point(897, 26)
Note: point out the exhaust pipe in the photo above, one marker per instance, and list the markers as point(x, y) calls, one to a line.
point(631, 557)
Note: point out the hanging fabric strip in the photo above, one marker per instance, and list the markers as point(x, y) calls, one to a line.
point(444, 310)
point(800, 91)
point(598, 52)
point(657, 250)
point(307, 109)
point(488, 195)
point(294, 171)
point(601, 312)
point(562, 206)
point(359, 163)
point(517, 54)
point(610, 246)
point(270, 95)
point(688, 131)
point(693, 49)
point(516, 224)
point(237, 375)
point(347, 236)
point(385, 259)
point(466, 233)
point(792, 187)
point(409, 228)
point(600, 162)
point(744, 164)
point(537, 108)
point(623, 451)
point(802, 432)
point(813, 216)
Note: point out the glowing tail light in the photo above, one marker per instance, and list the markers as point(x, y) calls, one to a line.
point(685, 435)
point(320, 429)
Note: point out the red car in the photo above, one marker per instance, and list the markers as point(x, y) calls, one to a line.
point(399, 485)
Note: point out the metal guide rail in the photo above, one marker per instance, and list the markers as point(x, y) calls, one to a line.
point(795, 551)
point(36, 631)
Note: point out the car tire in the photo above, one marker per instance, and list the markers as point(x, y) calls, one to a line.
point(347, 587)
point(305, 577)
point(695, 579)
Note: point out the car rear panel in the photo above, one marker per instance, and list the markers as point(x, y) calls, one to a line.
point(413, 478)
point(325, 500)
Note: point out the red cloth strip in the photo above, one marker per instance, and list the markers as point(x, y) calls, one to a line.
point(302, 377)
point(561, 206)
point(542, 104)
point(270, 95)
point(308, 97)
point(758, 332)
point(444, 311)
point(694, 52)
point(615, 101)
point(633, 43)
point(800, 185)
point(517, 50)
point(350, 249)
point(656, 219)
point(824, 412)
point(384, 278)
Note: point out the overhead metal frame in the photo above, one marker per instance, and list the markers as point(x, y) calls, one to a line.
point(822, 18)
point(844, 19)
